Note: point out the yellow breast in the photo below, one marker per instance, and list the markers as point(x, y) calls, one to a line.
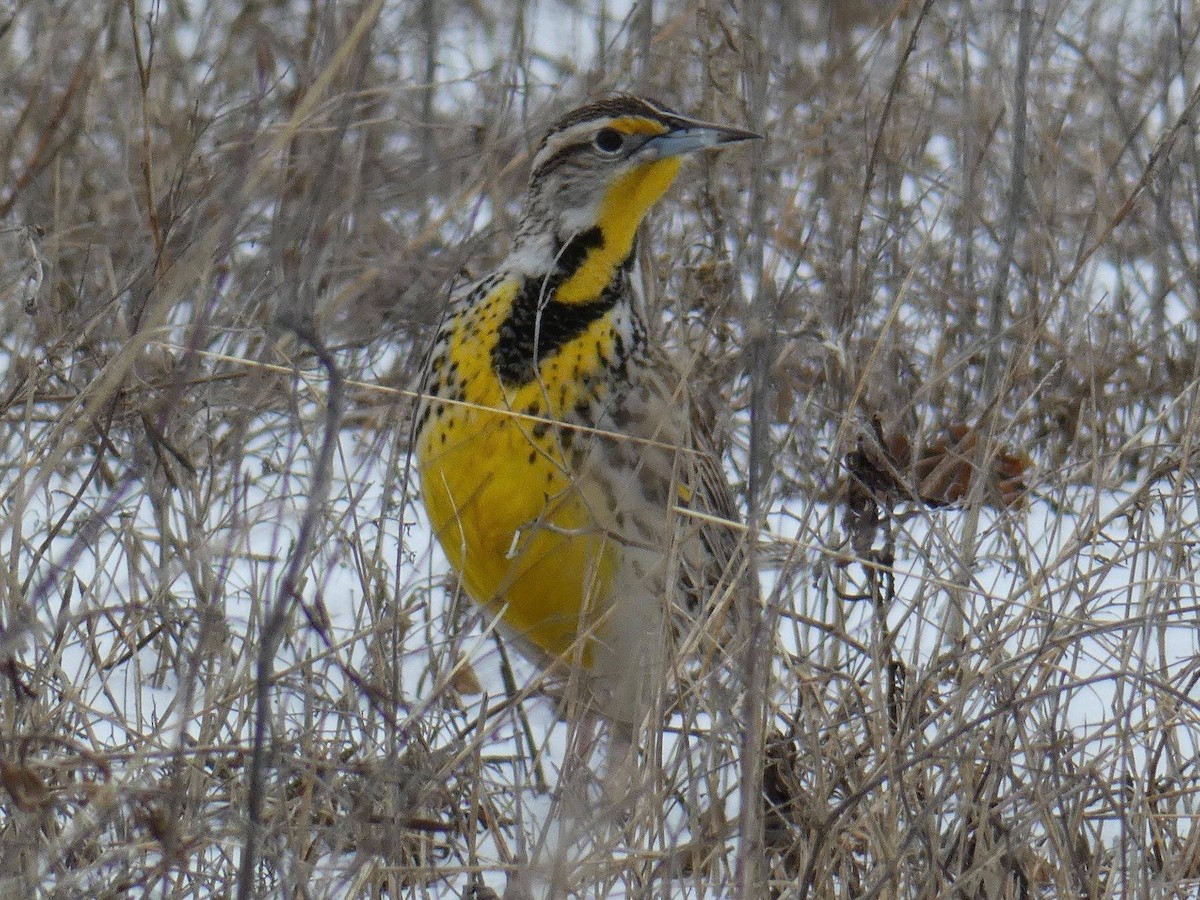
point(502, 499)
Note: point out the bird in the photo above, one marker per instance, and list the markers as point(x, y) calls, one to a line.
point(572, 480)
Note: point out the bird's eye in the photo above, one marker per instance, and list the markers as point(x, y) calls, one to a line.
point(608, 140)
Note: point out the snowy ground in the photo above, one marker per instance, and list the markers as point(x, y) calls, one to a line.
point(1088, 596)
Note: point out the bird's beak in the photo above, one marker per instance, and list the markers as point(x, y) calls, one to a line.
point(689, 137)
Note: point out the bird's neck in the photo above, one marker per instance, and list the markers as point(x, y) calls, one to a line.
point(581, 262)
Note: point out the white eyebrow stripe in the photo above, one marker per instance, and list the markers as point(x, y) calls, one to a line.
point(575, 134)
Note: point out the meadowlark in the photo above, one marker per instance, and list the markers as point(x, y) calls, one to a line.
point(565, 468)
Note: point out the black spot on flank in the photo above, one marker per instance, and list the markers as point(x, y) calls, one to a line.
point(654, 489)
point(539, 429)
point(532, 457)
point(619, 368)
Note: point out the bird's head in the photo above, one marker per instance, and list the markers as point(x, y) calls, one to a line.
point(601, 167)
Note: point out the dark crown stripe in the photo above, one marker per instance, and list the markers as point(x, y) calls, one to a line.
point(613, 107)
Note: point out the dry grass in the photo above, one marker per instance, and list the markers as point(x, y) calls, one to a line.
point(226, 233)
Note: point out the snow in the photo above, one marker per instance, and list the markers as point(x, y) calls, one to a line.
point(1107, 572)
